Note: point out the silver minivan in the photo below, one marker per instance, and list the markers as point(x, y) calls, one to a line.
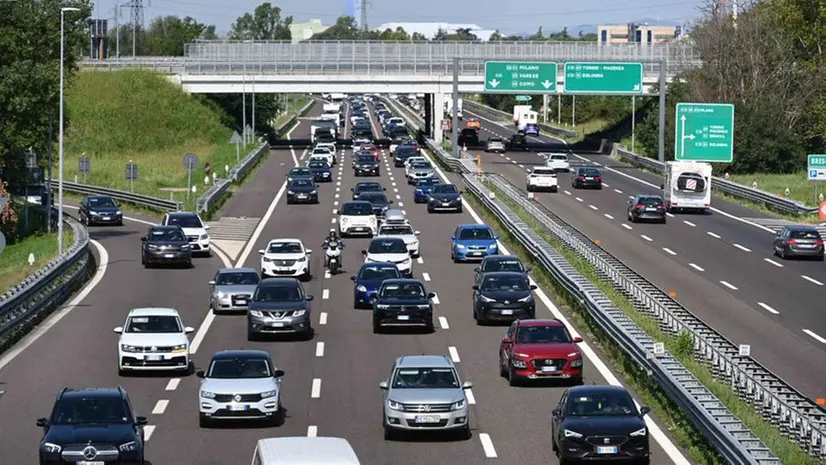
point(301, 450)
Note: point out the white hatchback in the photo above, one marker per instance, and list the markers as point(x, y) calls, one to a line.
point(153, 339)
point(357, 217)
point(286, 257)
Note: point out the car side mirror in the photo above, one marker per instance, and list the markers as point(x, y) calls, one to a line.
point(141, 421)
point(477, 270)
point(364, 252)
point(42, 422)
point(212, 283)
point(261, 251)
point(308, 251)
point(200, 374)
point(417, 233)
point(353, 278)
point(577, 340)
point(309, 298)
point(496, 238)
point(533, 287)
point(384, 386)
point(506, 340)
point(206, 227)
point(431, 295)
point(644, 411)
point(452, 238)
point(527, 270)
point(475, 287)
point(467, 385)
point(143, 239)
point(384, 188)
point(777, 234)
point(352, 189)
point(390, 202)
point(189, 330)
point(555, 412)
point(278, 373)
point(118, 330)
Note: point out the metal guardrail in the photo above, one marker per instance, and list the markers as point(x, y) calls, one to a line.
point(47, 288)
point(145, 201)
point(493, 113)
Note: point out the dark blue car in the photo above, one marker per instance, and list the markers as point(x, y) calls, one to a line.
point(368, 281)
point(321, 171)
point(423, 188)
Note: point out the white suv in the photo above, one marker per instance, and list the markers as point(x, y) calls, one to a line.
point(153, 339)
point(357, 217)
point(542, 179)
point(286, 257)
point(389, 250)
point(194, 229)
point(324, 152)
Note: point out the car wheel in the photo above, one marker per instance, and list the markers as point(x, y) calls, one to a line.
point(120, 222)
point(664, 221)
point(460, 210)
point(278, 418)
point(252, 336)
point(554, 189)
point(430, 328)
point(466, 433)
point(512, 379)
point(203, 421)
point(783, 253)
point(122, 372)
point(529, 188)
point(289, 201)
point(631, 218)
point(503, 372)
point(376, 327)
point(429, 210)
point(389, 434)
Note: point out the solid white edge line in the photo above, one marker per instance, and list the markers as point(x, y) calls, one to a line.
point(487, 445)
point(312, 431)
point(51, 321)
point(657, 433)
point(443, 323)
point(315, 391)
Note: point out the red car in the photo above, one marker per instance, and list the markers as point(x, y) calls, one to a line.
point(540, 349)
point(372, 148)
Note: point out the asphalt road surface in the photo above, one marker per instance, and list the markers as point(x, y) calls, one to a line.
point(720, 267)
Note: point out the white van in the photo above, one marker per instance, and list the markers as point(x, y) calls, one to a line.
point(302, 450)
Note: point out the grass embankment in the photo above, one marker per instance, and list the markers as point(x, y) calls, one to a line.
point(140, 116)
point(679, 346)
point(14, 260)
point(294, 105)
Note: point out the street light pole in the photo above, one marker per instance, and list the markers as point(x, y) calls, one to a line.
point(60, 140)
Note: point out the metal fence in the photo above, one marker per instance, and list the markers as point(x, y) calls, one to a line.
point(495, 114)
point(796, 416)
point(46, 288)
point(152, 203)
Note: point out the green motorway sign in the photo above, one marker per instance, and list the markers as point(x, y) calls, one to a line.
point(520, 77)
point(523, 98)
point(603, 78)
point(817, 161)
point(704, 132)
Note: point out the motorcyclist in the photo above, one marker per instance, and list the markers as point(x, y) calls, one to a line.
point(330, 239)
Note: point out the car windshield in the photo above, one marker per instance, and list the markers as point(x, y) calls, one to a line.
point(153, 324)
point(650, 201)
point(405, 150)
point(239, 368)
point(425, 378)
point(302, 183)
point(169, 235)
point(804, 235)
point(318, 165)
point(285, 247)
point(421, 165)
point(396, 230)
point(445, 189)
point(278, 294)
point(403, 291)
point(475, 234)
point(380, 246)
point(376, 273)
point(505, 283)
point(299, 171)
point(356, 209)
point(184, 221)
point(601, 404)
point(76, 410)
point(321, 151)
point(373, 197)
point(542, 335)
point(503, 265)
point(372, 187)
point(366, 159)
point(241, 278)
point(101, 202)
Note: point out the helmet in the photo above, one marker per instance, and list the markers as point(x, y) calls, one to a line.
point(333, 235)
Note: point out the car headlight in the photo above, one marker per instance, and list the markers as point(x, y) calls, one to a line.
point(525, 299)
point(458, 405)
point(179, 348)
point(268, 394)
point(576, 363)
point(492, 246)
point(518, 363)
point(571, 434)
point(302, 259)
point(256, 313)
point(640, 432)
point(51, 448)
point(128, 348)
point(290, 193)
point(313, 192)
point(413, 243)
point(207, 394)
point(382, 307)
point(299, 312)
point(361, 288)
point(345, 220)
point(460, 246)
point(220, 295)
point(372, 220)
point(94, 213)
point(152, 247)
point(487, 299)
point(204, 236)
point(128, 447)
point(118, 212)
point(185, 247)
point(267, 260)
point(394, 405)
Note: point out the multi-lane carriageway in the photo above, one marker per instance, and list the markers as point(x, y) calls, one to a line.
point(331, 385)
point(720, 266)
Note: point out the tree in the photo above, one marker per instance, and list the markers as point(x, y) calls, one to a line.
point(345, 28)
point(168, 34)
point(496, 36)
point(265, 23)
point(29, 75)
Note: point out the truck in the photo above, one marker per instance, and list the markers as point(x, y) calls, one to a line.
point(687, 186)
point(525, 119)
point(449, 107)
point(332, 112)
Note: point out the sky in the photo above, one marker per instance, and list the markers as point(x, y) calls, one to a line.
point(509, 16)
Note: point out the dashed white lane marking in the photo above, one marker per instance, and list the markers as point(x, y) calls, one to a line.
point(487, 445)
point(426, 276)
point(333, 220)
point(696, 267)
point(626, 226)
point(312, 431)
point(335, 211)
point(593, 207)
point(160, 407)
point(608, 216)
point(471, 399)
point(769, 260)
point(335, 203)
point(768, 309)
point(395, 189)
point(521, 165)
point(419, 260)
point(646, 238)
point(605, 184)
point(669, 215)
point(436, 299)
point(669, 251)
point(716, 236)
point(322, 318)
point(327, 274)
point(618, 191)
point(454, 354)
point(315, 391)
point(816, 336)
point(728, 285)
point(173, 384)
point(401, 204)
point(337, 195)
point(811, 280)
point(325, 294)
point(744, 249)
point(147, 432)
point(393, 183)
point(690, 223)
point(578, 199)
point(319, 349)
point(338, 183)
point(567, 192)
point(398, 196)
point(443, 323)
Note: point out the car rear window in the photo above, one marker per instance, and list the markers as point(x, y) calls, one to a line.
point(804, 235)
point(650, 201)
point(589, 172)
point(559, 157)
point(544, 171)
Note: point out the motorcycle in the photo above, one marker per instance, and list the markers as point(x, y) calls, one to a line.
point(333, 253)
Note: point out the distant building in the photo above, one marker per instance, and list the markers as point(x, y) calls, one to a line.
point(306, 30)
point(431, 29)
point(636, 33)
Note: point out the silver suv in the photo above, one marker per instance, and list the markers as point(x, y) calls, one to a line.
point(424, 393)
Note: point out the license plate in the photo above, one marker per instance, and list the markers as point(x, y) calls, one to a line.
point(446, 204)
point(154, 358)
point(282, 268)
point(548, 369)
point(507, 312)
point(607, 450)
point(650, 209)
point(474, 254)
point(239, 408)
point(426, 419)
point(302, 196)
point(277, 325)
point(589, 179)
point(91, 463)
point(169, 255)
point(105, 218)
point(241, 302)
point(806, 246)
point(403, 317)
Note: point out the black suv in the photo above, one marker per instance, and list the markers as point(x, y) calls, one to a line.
point(518, 142)
point(469, 137)
point(165, 245)
point(495, 263)
point(402, 303)
point(100, 209)
point(279, 306)
point(366, 165)
point(92, 425)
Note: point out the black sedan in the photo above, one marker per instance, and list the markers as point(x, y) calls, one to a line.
point(302, 190)
point(100, 209)
point(402, 303)
point(403, 152)
point(165, 245)
point(362, 130)
point(366, 186)
point(646, 208)
point(299, 172)
point(321, 171)
point(377, 200)
point(444, 197)
point(599, 422)
point(503, 296)
point(587, 177)
point(366, 165)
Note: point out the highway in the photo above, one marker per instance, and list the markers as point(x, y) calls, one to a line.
point(720, 266)
point(331, 382)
